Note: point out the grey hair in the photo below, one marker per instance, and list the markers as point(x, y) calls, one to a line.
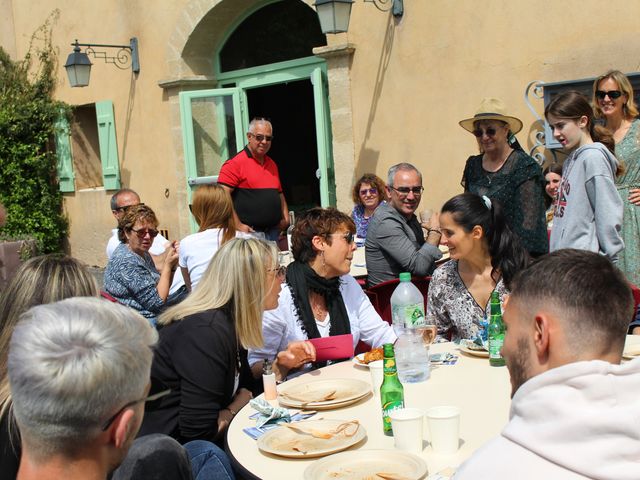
point(114, 197)
point(258, 120)
point(405, 167)
point(72, 364)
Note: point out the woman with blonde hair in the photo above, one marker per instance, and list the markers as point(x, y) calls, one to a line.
point(613, 101)
point(38, 281)
point(201, 355)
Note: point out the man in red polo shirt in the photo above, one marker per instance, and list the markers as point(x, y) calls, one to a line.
point(254, 183)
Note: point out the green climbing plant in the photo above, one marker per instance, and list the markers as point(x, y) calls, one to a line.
point(28, 114)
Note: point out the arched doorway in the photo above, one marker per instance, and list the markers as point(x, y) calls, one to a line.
point(266, 68)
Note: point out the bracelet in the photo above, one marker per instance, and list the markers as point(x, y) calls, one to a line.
point(233, 412)
point(437, 230)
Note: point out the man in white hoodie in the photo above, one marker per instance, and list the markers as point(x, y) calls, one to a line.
point(575, 410)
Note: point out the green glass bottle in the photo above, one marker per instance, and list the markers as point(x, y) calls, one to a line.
point(496, 332)
point(391, 390)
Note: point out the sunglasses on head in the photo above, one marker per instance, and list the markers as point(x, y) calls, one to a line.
point(261, 138)
point(142, 232)
point(281, 271)
point(490, 132)
point(369, 191)
point(151, 401)
point(612, 94)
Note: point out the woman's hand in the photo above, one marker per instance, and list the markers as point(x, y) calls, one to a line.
point(172, 254)
point(296, 355)
point(225, 415)
point(634, 196)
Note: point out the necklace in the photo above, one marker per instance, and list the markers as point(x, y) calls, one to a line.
point(489, 173)
point(318, 308)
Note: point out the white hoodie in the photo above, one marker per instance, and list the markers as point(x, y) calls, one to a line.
point(581, 420)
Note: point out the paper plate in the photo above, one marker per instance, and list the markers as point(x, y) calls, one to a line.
point(358, 361)
point(470, 351)
point(366, 464)
point(314, 394)
point(285, 442)
point(631, 351)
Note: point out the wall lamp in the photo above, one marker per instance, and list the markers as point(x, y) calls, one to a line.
point(78, 65)
point(334, 15)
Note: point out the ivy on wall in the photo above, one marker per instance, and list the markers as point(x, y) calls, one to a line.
point(28, 114)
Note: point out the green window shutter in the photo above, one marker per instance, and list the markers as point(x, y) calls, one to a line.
point(108, 145)
point(63, 151)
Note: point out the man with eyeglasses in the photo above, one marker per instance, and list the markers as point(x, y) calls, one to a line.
point(395, 241)
point(79, 376)
point(252, 179)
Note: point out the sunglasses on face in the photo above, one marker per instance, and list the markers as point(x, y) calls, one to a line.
point(127, 207)
point(261, 138)
point(369, 191)
point(490, 132)
point(612, 94)
point(404, 191)
point(348, 237)
point(142, 232)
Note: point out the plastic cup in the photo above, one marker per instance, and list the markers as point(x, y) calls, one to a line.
point(425, 215)
point(444, 428)
point(377, 375)
point(407, 425)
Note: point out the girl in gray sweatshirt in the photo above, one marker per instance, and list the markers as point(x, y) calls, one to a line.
point(588, 212)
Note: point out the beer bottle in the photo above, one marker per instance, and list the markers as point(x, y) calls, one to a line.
point(496, 332)
point(391, 390)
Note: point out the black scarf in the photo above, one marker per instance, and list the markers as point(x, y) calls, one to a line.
point(414, 225)
point(301, 278)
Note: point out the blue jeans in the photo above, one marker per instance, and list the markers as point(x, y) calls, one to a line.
point(208, 461)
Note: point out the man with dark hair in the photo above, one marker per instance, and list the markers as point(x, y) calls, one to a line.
point(575, 411)
point(252, 179)
point(395, 241)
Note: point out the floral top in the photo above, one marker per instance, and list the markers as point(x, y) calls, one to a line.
point(362, 222)
point(452, 308)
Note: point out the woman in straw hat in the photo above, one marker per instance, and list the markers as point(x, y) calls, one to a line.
point(505, 173)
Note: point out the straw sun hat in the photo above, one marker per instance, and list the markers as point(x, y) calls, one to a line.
point(492, 109)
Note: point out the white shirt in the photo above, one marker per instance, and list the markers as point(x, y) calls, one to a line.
point(281, 325)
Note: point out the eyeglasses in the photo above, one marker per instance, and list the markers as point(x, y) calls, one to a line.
point(126, 207)
point(490, 132)
point(369, 191)
point(261, 138)
point(148, 401)
point(281, 271)
point(404, 191)
point(142, 232)
point(349, 237)
point(612, 94)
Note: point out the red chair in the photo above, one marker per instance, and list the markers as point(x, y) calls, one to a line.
point(636, 298)
point(380, 295)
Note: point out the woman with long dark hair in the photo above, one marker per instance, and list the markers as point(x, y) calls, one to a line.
point(485, 256)
point(588, 214)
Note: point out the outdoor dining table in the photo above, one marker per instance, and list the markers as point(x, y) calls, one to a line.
point(481, 392)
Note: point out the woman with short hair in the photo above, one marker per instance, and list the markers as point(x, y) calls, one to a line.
point(131, 276)
point(319, 299)
point(368, 192)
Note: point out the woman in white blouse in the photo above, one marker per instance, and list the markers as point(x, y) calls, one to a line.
point(485, 256)
point(213, 210)
point(320, 298)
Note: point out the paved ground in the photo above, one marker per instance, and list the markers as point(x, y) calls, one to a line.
point(98, 274)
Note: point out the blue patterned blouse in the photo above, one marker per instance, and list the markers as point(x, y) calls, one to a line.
point(362, 222)
point(132, 280)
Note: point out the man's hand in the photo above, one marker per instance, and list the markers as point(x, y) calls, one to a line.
point(244, 228)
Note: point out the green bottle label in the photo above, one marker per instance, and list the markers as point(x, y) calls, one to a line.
point(387, 408)
point(495, 344)
point(413, 315)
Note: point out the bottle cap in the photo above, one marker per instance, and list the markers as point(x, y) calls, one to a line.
point(405, 277)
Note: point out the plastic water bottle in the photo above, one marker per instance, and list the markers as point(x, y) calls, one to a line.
point(407, 312)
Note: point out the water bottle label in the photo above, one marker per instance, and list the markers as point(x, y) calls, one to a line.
point(495, 344)
point(387, 408)
point(409, 316)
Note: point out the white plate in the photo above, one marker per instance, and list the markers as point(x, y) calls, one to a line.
point(631, 352)
point(358, 360)
point(365, 464)
point(285, 442)
point(470, 351)
point(309, 395)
